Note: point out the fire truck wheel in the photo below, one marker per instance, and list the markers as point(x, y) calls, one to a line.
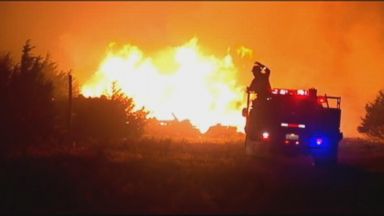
point(328, 160)
point(255, 148)
point(249, 147)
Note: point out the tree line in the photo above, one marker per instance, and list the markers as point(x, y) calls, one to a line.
point(34, 106)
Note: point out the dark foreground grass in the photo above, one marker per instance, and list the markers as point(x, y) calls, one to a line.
point(165, 176)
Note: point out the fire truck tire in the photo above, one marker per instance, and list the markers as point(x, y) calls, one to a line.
point(255, 148)
point(328, 160)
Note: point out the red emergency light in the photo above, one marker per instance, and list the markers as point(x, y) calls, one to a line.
point(265, 135)
point(321, 99)
point(278, 91)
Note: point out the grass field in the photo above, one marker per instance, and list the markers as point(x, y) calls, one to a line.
point(165, 176)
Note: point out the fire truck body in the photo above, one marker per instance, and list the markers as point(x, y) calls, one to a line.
point(294, 122)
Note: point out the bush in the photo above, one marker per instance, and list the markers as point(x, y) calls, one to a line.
point(106, 118)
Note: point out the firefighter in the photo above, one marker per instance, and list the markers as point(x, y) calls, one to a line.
point(260, 83)
point(261, 86)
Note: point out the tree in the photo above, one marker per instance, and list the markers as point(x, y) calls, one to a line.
point(373, 122)
point(6, 69)
point(5, 73)
point(27, 94)
point(31, 99)
point(59, 79)
point(134, 120)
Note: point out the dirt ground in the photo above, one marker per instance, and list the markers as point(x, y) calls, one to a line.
point(151, 177)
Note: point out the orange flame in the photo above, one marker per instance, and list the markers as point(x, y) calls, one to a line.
point(182, 81)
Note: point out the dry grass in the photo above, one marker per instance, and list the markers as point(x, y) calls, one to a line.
point(166, 176)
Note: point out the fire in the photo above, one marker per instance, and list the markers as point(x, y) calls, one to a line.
point(181, 81)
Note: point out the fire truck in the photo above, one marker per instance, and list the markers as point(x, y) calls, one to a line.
point(292, 122)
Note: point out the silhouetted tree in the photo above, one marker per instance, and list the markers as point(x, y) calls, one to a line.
point(6, 69)
point(134, 120)
point(373, 122)
point(27, 94)
point(59, 80)
point(31, 98)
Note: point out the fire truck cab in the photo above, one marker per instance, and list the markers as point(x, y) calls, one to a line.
point(293, 121)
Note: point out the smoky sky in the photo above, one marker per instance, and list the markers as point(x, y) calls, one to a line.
point(336, 47)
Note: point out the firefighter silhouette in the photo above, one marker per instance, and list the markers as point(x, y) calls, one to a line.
point(260, 83)
point(261, 86)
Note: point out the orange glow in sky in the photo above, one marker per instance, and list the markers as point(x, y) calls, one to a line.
point(336, 47)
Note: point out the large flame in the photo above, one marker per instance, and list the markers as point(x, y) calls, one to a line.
point(180, 81)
